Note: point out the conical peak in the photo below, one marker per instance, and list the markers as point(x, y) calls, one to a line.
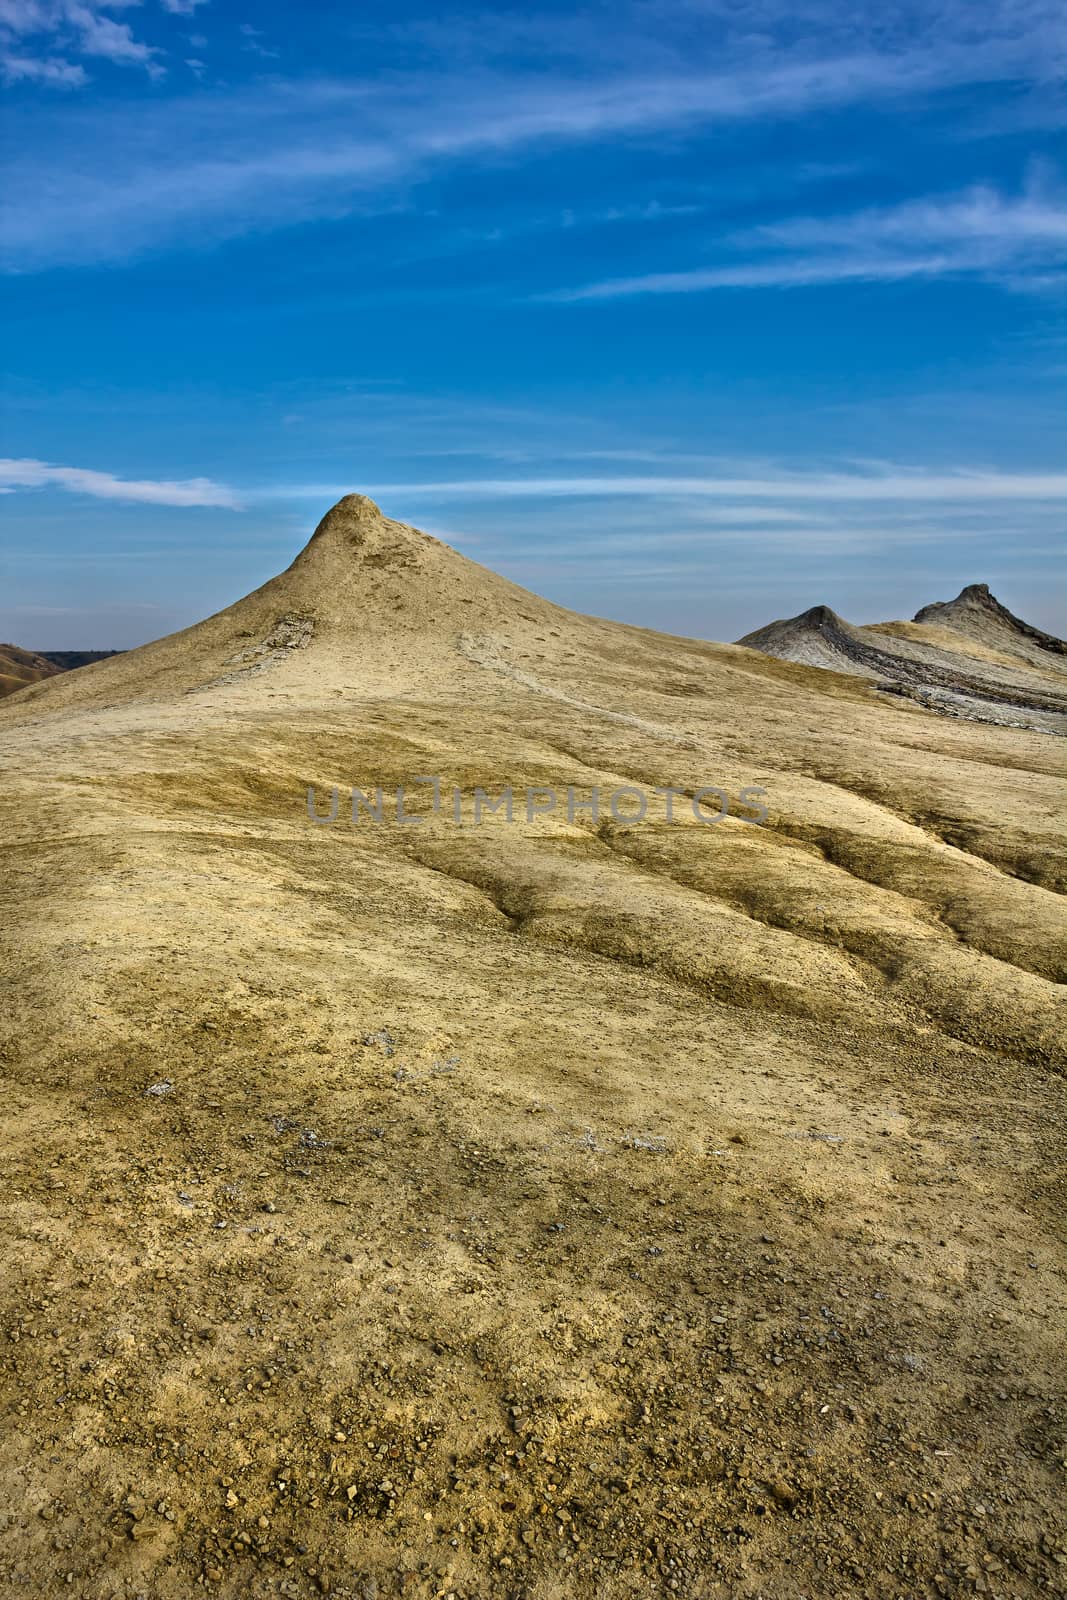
point(348, 519)
point(362, 571)
point(819, 621)
point(974, 594)
point(356, 508)
point(356, 530)
point(975, 611)
point(820, 617)
point(356, 502)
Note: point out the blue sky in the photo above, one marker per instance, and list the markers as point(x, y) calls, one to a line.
point(691, 313)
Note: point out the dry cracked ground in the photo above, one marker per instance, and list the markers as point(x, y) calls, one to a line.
point(540, 1208)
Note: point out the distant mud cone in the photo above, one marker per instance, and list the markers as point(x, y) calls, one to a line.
point(969, 657)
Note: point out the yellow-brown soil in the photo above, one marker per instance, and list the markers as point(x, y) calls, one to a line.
point(540, 1209)
point(21, 667)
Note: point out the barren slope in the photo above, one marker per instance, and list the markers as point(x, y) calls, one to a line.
point(538, 1208)
point(980, 618)
point(20, 667)
point(967, 658)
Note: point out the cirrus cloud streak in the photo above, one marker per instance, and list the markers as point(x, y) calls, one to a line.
point(185, 492)
point(892, 484)
point(1018, 241)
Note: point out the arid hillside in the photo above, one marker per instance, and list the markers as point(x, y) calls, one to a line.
point(980, 618)
point(20, 667)
point(562, 1204)
point(968, 657)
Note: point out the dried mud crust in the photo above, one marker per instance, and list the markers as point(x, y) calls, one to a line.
point(288, 634)
point(310, 1374)
point(534, 1211)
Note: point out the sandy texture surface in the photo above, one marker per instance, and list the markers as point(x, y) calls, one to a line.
point(537, 1209)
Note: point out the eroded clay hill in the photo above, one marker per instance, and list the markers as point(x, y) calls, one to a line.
point(968, 657)
point(366, 596)
point(980, 618)
point(542, 1207)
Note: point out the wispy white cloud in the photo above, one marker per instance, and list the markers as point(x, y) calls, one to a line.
point(889, 484)
point(764, 275)
point(980, 213)
point(252, 42)
point(1013, 240)
point(69, 27)
point(30, 474)
point(100, 35)
point(275, 153)
point(38, 37)
point(52, 70)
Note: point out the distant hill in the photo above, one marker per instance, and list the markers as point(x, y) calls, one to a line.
point(968, 657)
point(19, 668)
point(980, 617)
point(68, 660)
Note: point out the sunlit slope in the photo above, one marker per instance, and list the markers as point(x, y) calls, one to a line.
point(978, 618)
point(18, 668)
point(541, 1157)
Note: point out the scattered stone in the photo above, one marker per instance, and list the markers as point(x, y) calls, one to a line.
point(383, 1038)
point(644, 1141)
